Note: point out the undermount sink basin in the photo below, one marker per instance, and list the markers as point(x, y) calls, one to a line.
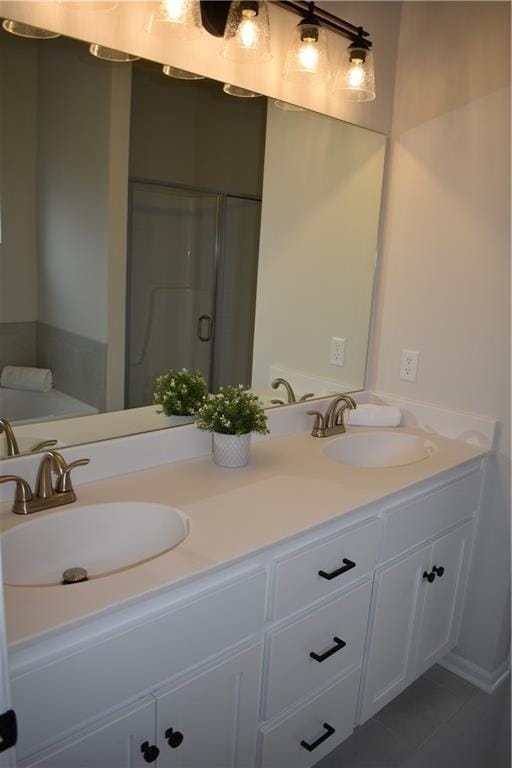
point(102, 538)
point(379, 449)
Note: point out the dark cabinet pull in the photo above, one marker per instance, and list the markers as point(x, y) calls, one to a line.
point(347, 566)
point(329, 730)
point(149, 752)
point(338, 645)
point(430, 577)
point(174, 738)
point(438, 570)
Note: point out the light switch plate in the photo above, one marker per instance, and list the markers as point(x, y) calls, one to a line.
point(409, 365)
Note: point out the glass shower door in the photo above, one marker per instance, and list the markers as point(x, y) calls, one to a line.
point(171, 285)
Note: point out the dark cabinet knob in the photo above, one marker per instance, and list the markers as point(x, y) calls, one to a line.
point(438, 570)
point(149, 752)
point(174, 738)
point(430, 577)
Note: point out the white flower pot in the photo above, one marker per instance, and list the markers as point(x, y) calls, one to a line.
point(231, 450)
point(176, 421)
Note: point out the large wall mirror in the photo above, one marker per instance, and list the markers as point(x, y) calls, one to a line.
point(151, 223)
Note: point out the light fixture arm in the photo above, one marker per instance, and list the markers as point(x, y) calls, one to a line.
point(214, 14)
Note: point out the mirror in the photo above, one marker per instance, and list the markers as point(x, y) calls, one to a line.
point(150, 223)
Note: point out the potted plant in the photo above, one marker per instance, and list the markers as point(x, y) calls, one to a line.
point(180, 394)
point(232, 415)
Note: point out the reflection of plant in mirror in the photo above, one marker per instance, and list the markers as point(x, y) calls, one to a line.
point(180, 393)
point(233, 411)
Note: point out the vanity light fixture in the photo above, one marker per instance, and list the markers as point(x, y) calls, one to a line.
point(180, 74)
point(241, 93)
point(111, 54)
point(286, 107)
point(356, 78)
point(247, 32)
point(181, 18)
point(307, 59)
point(20, 29)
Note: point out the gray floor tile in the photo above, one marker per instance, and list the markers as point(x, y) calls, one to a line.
point(442, 676)
point(420, 710)
point(371, 746)
point(477, 736)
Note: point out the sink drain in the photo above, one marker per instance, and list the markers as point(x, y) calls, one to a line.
point(74, 576)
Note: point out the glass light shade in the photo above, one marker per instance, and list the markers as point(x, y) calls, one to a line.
point(247, 34)
point(356, 77)
point(111, 54)
point(286, 107)
point(181, 18)
point(27, 30)
point(241, 93)
point(307, 59)
point(88, 5)
point(180, 74)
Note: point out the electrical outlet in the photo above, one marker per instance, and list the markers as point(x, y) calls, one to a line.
point(409, 365)
point(337, 351)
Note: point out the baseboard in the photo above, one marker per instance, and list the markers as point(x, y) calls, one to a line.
point(486, 681)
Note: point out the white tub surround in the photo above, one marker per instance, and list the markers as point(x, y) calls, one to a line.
point(28, 407)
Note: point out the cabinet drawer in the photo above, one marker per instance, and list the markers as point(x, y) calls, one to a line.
point(410, 524)
point(344, 558)
point(140, 659)
point(335, 633)
point(322, 724)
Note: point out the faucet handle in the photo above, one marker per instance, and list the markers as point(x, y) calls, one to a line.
point(306, 397)
point(64, 484)
point(42, 445)
point(23, 491)
point(319, 425)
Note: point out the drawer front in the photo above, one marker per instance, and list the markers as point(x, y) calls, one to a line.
point(335, 634)
point(138, 660)
point(321, 724)
point(341, 560)
point(413, 523)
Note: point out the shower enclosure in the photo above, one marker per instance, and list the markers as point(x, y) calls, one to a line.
point(192, 269)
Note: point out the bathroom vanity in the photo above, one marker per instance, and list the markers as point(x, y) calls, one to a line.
point(307, 595)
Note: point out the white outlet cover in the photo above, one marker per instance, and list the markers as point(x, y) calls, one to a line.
point(337, 351)
point(409, 365)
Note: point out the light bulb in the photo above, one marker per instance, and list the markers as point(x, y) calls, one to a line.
point(175, 9)
point(248, 33)
point(308, 56)
point(356, 74)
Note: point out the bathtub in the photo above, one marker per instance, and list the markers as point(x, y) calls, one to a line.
point(22, 407)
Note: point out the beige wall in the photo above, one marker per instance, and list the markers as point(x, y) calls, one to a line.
point(445, 278)
point(123, 28)
point(318, 242)
point(18, 188)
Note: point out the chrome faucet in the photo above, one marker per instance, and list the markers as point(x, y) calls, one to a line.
point(290, 394)
point(333, 421)
point(46, 494)
point(12, 448)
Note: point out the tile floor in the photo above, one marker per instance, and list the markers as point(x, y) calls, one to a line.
point(440, 721)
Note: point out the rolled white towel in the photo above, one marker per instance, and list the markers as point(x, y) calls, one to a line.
point(22, 377)
point(370, 415)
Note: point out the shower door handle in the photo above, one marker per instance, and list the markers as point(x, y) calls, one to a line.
point(208, 336)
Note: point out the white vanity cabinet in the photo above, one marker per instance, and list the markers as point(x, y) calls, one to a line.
point(272, 662)
point(418, 597)
point(115, 742)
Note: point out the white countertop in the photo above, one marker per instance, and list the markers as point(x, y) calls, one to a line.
point(288, 487)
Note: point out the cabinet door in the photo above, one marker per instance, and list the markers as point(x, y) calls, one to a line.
point(113, 743)
point(397, 598)
point(442, 608)
point(210, 721)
